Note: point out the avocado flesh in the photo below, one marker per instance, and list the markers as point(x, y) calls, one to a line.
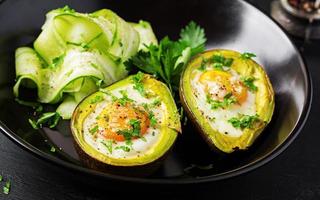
point(169, 128)
point(264, 101)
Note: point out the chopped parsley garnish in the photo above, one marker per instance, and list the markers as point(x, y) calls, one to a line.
point(156, 102)
point(249, 83)
point(152, 118)
point(108, 145)
point(94, 129)
point(124, 99)
point(203, 64)
point(218, 66)
point(49, 118)
point(227, 100)
point(219, 61)
point(124, 148)
point(96, 99)
point(138, 83)
point(128, 134)
point(6, 187)
point(247, 55)
point(168, 59)
point(244, 121)
point(52, 149)
point(136, 127)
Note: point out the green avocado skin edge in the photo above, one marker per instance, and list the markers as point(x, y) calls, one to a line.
point(220, 142)
point(143, 165)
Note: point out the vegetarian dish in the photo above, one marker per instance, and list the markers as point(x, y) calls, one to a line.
point(120, 87)
point(133, 122)
point(228, 96)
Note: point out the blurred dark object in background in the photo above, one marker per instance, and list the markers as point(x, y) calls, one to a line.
point(308, 6)
point(301, 18)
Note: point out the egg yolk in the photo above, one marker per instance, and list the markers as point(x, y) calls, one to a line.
point(218, 84)
point(117, 118)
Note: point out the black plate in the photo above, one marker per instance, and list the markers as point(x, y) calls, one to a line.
point(228, 24)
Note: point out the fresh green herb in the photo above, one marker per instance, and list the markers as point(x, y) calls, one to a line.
point(49, 118)
point(6, 187)
point(138, 83)
point(156, 103)
point(108, 145)
point(193, 36)
point(247, 55)
point(96, 99)
point(227, 101)
point(129, 143)
point(203, 64)
point(94, 129)
point(249, 83)
point(167, 60)
point(52, 149)
point(128, 134)
point(57, 61)
point(152, 118)
point(33, 123)
point(37, 106)
point(124, 148)
point(1, 178)
point(218, 66)
point(244, 121)
point(124, 99)
point(136, 127)
point(219, 61)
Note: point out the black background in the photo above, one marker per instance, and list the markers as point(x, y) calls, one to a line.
point(294, 174)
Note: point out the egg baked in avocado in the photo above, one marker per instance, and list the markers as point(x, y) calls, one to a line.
point(228, 96)
point(128, 126)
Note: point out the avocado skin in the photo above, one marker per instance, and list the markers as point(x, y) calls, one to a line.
point(172, 128)
point(200, 129)
point(131, 171)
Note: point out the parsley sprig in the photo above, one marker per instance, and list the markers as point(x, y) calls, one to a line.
point(249, 83)
point(167, 60)
point(247, 55)
point(138, 83)
point(244, 121)
point(49, 118)
point(227, 101)
point(128, 134)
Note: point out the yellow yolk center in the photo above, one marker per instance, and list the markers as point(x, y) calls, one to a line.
point(117, 118)
point(218, 84)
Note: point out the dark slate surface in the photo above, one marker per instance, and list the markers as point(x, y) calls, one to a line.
point(293, 175)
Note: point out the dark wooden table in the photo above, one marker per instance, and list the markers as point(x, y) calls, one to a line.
point(294, 174)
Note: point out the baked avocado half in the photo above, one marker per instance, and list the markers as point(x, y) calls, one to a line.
point(228, 96)
point(128, 127)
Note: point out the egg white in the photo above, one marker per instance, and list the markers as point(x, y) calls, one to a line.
point(139, 146)
point(218, 118)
